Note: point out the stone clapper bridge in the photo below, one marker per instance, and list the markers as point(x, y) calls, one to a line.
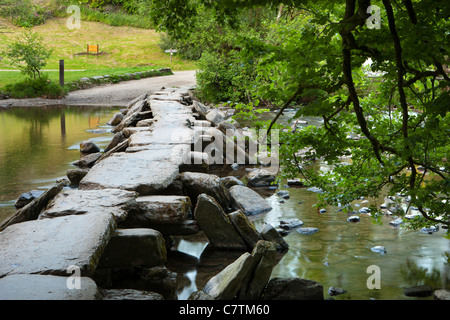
point(131, 199)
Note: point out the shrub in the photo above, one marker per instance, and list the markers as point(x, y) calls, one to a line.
point(28, 54)
point(224, 77)
point(23, 13)
point(33, 88)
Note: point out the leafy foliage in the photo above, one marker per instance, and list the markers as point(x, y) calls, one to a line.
point(40, 87)
point(312, 56)
point(23, 13)
point(29, 54)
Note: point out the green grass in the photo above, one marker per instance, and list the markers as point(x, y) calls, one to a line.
point(10, 77)
point(125, 50)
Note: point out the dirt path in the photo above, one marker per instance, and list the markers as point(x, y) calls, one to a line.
point(110, 95)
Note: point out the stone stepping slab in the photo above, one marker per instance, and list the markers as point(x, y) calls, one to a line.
point(146, 172)
point(46, 287)
point(76, 202)
point(51, 246)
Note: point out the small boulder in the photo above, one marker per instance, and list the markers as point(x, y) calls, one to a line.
point(199, 295)
point(75, 175)
point(214, 116)
point(442, 294)
point(283, 194)
point(217, 226)
point(88, 147)
point(379, 249)
point(134, 247)
point(334, 291)
point(245, 228)
point(260, 178)
point(418, 291)
point(307, 230)
point(117, 138)
point(196, 183)
point(264, 259)
point(295, 182)
point(231, 181)
point(290, 223)
point(27, 197)
point(88, 161)
point(116, 119)
point(269, 233)
point(293, 289)
point(396, 222)
point(248, 200)
point(353, 219)
point(226, 284)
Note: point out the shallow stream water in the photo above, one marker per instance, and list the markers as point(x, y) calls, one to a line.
point(38, 146)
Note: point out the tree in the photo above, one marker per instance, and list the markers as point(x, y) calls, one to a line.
point(317, 54)
point(29, 54)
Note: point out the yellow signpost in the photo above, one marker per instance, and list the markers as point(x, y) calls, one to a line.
point(94, 48)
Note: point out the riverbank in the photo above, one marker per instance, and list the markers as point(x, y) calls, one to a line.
point(108, 95)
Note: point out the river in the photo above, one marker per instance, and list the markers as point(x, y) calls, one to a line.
point(38, 146)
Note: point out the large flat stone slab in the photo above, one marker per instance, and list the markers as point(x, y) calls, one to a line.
point(167, 109)
point(166, 135)
point(46, 287)
point(146, 172)
point(50, 246)
point(75, 202)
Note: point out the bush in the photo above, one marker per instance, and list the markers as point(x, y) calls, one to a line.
point(224, 77)
point(23, 13)
point(36, 88)
point(28, 54)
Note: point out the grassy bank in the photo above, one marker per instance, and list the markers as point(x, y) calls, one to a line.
point(123, 50)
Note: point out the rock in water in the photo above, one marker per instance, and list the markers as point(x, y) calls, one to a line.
point(307, 230)
point(89, 147)
point(116, 119)
point(334, 291)
point(290, 223)
point(27, 197)
point(226, 284)
point(216, 224)
point(248, 200)
point(269, 233)
point(379, 249)
point(196, 183)
point(418, 291)
point(260, 178)
point(245, 228)
point(134, 247)
point(293, 289)
point(75, 175)
point(353, 219)
point(264, 259)
point(442, 294)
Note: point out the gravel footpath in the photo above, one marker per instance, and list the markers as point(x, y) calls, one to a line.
point(111, 94)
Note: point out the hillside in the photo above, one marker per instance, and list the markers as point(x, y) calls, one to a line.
point(120, 47)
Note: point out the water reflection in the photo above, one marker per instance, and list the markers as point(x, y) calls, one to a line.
point(338, 255)
point(34, 146)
